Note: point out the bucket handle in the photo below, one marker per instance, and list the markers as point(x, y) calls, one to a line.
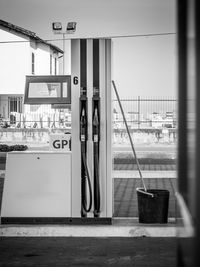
point(144, 192)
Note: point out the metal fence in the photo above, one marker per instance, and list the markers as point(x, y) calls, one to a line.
point(141, 112)
point(146, 112)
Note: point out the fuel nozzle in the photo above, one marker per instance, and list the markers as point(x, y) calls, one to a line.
point(83, 126)
point(96, 119)
point(95, 126)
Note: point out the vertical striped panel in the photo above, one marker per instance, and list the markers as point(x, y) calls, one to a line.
point(76, 156)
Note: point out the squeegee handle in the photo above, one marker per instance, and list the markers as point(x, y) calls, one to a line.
point(127, 129)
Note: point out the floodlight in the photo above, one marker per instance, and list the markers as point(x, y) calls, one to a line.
point(71, 27)
point(57, 27)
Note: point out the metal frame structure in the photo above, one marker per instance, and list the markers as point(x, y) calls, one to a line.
point(189, 131)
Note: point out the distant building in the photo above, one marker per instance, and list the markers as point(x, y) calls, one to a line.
point(22, 53)
point(162, 121)
point(131, 119)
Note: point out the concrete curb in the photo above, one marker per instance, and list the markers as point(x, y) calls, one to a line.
point(88, 231)
point(121, 227)
point(145, 174)
point(133, 174)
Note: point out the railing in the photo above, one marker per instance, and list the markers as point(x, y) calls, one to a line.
point(143, 112)
point(140, 112)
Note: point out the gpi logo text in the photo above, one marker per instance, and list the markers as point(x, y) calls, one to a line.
point(57, 144)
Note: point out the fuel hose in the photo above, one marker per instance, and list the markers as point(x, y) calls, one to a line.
point(96, 181)
point(96, 134)
point(86, 178)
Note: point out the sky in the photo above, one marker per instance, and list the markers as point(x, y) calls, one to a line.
point(144, 66)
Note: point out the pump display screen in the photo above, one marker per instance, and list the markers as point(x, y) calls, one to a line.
point(48, 90)
point(44, 90)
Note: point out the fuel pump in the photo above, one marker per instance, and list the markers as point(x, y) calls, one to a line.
point(75, 198)
point(91, 72)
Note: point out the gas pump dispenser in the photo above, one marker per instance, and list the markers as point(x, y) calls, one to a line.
point(73, 186)
point(91, 83)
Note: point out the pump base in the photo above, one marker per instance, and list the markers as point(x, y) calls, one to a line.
point(52, 220)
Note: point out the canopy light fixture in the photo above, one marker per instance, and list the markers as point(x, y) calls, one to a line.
point(71, 27)
point(57, 27)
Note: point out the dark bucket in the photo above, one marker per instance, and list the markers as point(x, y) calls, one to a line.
point(153, 209)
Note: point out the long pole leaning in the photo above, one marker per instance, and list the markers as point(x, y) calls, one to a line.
point(127, 129)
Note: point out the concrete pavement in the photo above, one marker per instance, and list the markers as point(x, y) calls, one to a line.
point(94, 252)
